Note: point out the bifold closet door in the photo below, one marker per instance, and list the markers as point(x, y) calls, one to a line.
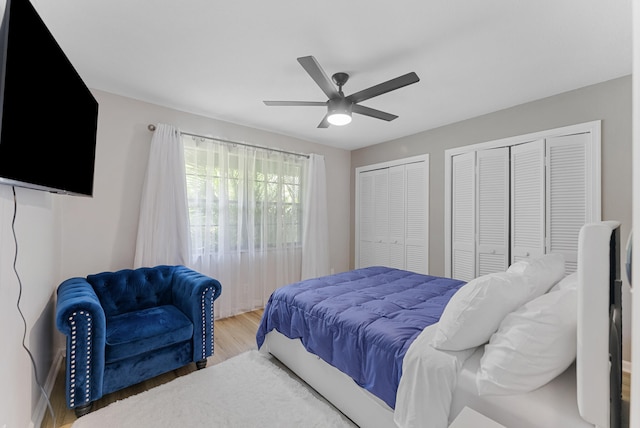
point(366, 219)
point(396, 220)
point(373, 222)
point(527, 200)
point(417, 209)
point(567, 193)
point(480, 223)
point(492, 221)
point(381, 217)
point(522, 198)
point(392, 217)
point(463, 221)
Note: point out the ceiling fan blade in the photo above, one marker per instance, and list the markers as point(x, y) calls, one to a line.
point(324, 123)
point(296, 103)
point(383, 88)
point(373, 113)
point(312, 67)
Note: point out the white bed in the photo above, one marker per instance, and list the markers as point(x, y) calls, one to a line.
point(579, 397)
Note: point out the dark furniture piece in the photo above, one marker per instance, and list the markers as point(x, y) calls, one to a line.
point(128, 326)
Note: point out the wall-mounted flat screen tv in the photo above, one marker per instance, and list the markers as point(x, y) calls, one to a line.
point(48, 116)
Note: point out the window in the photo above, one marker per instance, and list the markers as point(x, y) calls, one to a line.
point(242, 198)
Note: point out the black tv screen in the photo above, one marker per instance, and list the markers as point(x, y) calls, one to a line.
point(48, 116)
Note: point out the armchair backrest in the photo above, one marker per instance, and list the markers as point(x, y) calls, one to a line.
point(130, 290)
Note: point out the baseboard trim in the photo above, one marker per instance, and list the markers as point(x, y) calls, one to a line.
point(626, 366)
point(42, 407)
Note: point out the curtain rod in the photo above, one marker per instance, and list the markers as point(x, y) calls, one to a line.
point(152, 128)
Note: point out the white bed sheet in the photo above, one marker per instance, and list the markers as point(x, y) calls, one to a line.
point(428, 382)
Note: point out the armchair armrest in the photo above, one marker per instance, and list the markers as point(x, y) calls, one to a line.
point(79, 315)
point(194, 293)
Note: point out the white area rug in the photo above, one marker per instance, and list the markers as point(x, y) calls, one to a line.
point(249, 390)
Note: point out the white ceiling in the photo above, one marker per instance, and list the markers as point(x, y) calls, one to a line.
point(221, 59)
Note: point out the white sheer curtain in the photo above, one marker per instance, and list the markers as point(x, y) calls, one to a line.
point(246, 219)
point(163, 227)
point(315, 238)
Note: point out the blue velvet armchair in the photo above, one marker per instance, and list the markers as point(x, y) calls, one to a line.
point(128, 326)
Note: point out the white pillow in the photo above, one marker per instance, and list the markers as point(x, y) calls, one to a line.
point(475, 311)
point(519, 266)
point(542, 272)
point(568, 282)
point(533, 345)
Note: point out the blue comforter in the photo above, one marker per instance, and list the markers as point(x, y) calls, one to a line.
point(361, 322)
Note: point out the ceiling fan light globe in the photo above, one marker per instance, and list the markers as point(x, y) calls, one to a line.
point(339, 111)
point(339, 119)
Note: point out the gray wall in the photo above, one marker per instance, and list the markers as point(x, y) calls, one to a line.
point(31, 288)
point(100, 232)
point(609, 101)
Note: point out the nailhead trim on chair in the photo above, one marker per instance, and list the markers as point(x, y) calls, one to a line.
point(76, 377)
point(212, 320)
point(204, 322)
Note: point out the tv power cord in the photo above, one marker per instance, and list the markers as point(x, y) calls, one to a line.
point(24, 321)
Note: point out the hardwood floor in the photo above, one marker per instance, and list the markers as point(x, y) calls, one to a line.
point(626, 393)
point(233, 336)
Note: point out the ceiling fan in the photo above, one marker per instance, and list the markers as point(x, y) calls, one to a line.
point(339, 107)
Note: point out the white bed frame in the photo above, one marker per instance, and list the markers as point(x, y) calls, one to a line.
point(363, 408)
point(577, 398)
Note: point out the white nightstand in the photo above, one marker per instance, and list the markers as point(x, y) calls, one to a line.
point(469, 418)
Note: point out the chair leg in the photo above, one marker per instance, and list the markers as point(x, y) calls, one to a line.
point(83, 410)
point(201, 364)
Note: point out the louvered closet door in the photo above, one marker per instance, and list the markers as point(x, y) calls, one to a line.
point(416, 217)
point(463, 219)
point(397, 195)
point(527, 200)
point(381, 217)
point(365, 219)
point(492, 251)
point(567, 161)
